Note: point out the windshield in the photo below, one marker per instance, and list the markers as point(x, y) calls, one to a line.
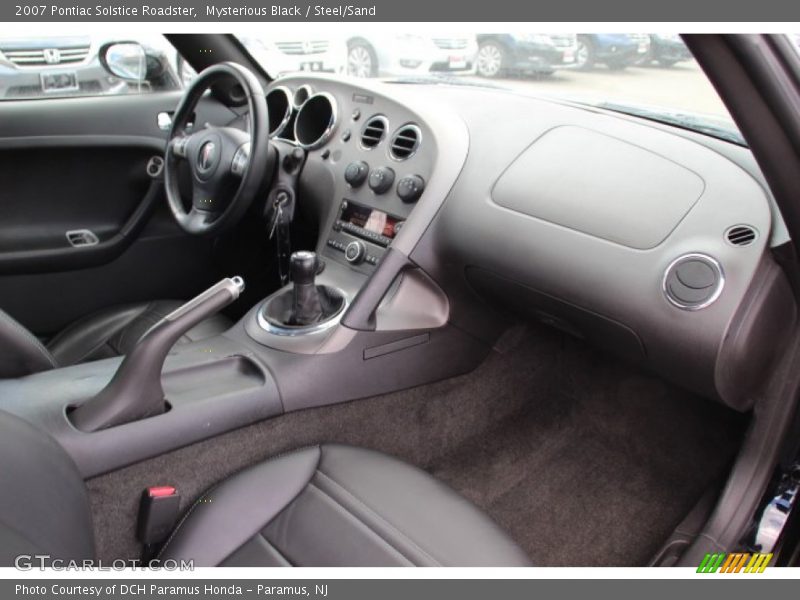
point(647, 75)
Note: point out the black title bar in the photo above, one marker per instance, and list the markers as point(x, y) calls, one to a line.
point(462, 11)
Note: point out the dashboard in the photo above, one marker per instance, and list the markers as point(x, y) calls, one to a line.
point(649, 241)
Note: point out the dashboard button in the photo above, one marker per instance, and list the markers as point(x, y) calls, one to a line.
point(355, 252)
point(356, 173)
point(410, 188)
point(381, 180)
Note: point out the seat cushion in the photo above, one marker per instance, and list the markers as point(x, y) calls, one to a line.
point(334, 505)
point(115, 331)
point(44, 507)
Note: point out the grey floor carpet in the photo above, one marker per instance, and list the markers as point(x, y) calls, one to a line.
point(584, 461)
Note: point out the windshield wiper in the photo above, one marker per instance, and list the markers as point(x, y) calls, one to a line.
point(688, 121)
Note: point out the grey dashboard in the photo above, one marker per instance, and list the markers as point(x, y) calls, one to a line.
point(647, 241)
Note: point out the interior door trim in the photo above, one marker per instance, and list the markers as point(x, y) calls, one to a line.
point(77, 257)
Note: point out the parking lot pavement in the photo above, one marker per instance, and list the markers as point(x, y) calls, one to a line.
point(683, 87)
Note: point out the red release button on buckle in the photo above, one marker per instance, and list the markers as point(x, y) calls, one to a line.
point(160, 491)
point(158, 513)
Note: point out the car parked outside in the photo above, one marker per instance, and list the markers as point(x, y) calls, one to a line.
point(520, 53)
point(410, 54)
point(289, 54)
point(666, 50)
point(283, 55)
point(48, 66)
point(616, 50)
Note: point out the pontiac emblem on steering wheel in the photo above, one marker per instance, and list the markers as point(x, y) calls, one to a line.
point(207, 156)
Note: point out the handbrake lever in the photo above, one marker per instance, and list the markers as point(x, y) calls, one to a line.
point(135, 390)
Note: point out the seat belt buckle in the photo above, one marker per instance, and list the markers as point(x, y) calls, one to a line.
point(158, 513)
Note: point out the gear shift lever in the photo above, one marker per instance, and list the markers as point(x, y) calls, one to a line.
point(306, 303)
point(305, 307)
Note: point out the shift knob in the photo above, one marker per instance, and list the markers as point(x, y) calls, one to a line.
point(306, 304)
point(303, 267)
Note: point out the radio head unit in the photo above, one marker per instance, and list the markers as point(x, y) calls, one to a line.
point(368, 223)
point(361, 235)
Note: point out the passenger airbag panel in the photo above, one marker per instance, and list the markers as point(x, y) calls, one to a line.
point(599, 185)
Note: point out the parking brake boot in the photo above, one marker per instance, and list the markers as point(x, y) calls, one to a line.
point(135, 390)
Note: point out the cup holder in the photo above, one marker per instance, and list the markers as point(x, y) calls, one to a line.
point(274, 316)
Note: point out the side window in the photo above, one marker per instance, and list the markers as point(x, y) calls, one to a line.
point(56, 66)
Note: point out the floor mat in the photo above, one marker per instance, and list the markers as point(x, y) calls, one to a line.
point(599, 470)
point(584, 461)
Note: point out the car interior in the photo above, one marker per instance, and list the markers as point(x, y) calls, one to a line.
point(327, 321)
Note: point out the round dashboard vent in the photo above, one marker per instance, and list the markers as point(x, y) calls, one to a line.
point(405, 142)
point(741, 235)
point(693, 281)
point(373, 132)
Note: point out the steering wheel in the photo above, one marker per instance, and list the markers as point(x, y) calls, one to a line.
point(227, 165)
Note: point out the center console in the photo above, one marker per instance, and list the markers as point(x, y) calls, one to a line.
point(373, 179)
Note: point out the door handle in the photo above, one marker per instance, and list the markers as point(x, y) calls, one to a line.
point(82, 237)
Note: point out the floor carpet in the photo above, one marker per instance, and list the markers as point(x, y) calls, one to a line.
point(583, 460)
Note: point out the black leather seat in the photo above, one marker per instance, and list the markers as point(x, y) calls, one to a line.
point(334, 505)
point(327, 505)
point(107, 333)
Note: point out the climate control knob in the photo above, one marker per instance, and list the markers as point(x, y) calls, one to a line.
point(356, 173)
point(381, 180)
point(410, 188)
point(355, 252)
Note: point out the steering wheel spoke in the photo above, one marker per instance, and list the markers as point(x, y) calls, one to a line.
point(241, 160)
point(197, 221)
point(179, 146)
point(204, 198)
point(237, 143)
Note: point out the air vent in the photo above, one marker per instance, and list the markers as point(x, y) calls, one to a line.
point(741, 235)
point(693, 281)
point(405, 142)
point(373, 132)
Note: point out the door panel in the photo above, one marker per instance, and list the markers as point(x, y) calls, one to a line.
point(79, 163)
point(49, 191)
